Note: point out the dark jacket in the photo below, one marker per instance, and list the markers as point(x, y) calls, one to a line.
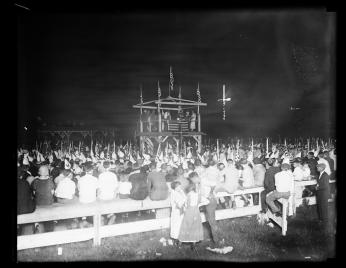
point(312, 163)
point(25, 200)
point(139, 190)
point(269, 179)
point(323, 183)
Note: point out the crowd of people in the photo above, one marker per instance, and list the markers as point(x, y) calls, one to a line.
point(190, 179)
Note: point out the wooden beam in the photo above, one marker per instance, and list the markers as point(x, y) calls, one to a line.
point(181, 103)
point(155, 108)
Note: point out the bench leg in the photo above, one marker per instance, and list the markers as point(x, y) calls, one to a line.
point(97, 224)
point(284, 219)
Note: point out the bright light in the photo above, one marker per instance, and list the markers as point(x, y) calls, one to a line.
point(25, 128)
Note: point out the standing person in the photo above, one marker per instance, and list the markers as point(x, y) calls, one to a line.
point(284, 183)
point(330, 162)
point(312, 162)
point(157, 186)
point(191, 229)
point(193, 121)
point(321, 160)
point(178, 199)
point(322, 195)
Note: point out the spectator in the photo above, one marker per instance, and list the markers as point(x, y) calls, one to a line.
point(298, 173)
point(322, 195)
point(87, 185)
point(107, 183)
point(284, 184)
point(139, 189)
point(124, 186)
point(157, 186)
point(258, 172)
point(66, 188)
point(43, 187)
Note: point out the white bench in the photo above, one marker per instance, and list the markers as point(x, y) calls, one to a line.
point(98, 208)
point(290, 205)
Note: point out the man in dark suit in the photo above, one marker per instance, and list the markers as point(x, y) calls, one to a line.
point(322, 195)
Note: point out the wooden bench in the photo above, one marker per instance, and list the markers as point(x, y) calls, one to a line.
point(289, 206)
point(98, 208)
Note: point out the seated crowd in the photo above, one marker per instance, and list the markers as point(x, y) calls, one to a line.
point(61, 177)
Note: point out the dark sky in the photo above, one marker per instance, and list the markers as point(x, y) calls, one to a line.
point(88, 67)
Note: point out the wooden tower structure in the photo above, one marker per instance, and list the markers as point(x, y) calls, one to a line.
point(155, 127)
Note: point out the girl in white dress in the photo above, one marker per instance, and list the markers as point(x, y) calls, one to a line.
point(178, 199)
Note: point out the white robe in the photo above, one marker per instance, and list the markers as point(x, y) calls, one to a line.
point(178, 199)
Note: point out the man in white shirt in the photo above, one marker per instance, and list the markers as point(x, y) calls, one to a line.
point(258, 171)
point(247, 177)
point(298, 172)
point(66, 188)
point(107, 183)
point(87, 185)
point(284, 183)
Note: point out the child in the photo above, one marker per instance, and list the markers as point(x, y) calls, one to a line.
point(125, 186)
point(191, 229)
point(178, 199)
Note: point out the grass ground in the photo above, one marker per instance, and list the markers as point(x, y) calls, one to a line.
point(251, 242)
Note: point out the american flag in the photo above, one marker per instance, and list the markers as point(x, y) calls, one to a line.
point(171, 79)
point(198, 94)
point(158, 90)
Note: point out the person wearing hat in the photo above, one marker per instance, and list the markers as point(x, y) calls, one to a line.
point(322, 194)
point(284, 184)
point(321, 160)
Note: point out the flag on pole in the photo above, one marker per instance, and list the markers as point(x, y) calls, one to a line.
point(171, 78)
point(158, 90)
point(198, 94)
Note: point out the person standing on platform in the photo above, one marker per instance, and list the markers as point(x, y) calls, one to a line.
point(193, 121)
point(322, 195)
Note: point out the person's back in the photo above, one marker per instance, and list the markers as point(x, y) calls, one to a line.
point(25, 200)
point(269, 178)
point(43, 187)
point(248, 176)
point(312, 162)
point(139, 190)
point(231, 178)
point(158, 189)
point(65, 189)
point(284, 181)
point(259, 173)
point(107, 184)
point(87, 186)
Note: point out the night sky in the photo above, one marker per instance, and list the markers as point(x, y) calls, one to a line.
point(89, 67)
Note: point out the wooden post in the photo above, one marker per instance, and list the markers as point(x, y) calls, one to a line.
point(217, 149)
point(199, 119)
point(97, 224)
point(159, 113)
